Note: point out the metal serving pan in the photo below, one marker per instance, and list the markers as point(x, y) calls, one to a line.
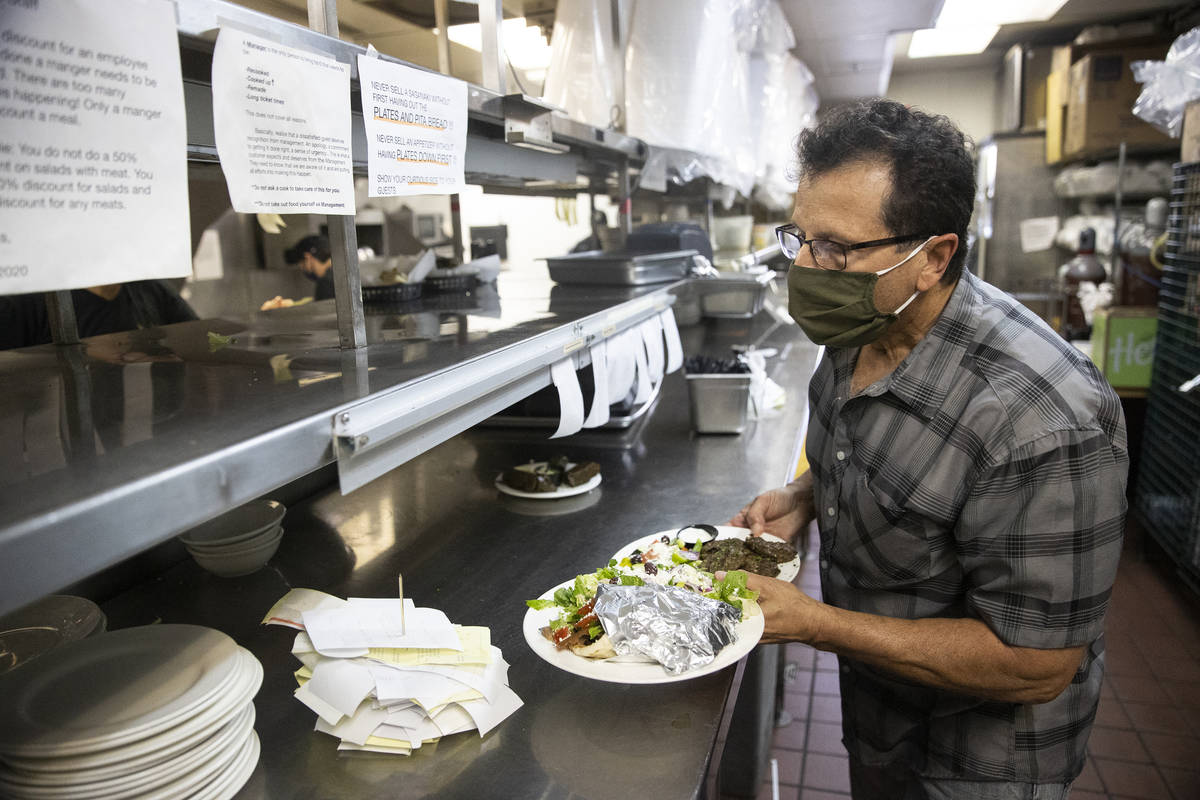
point(737, 295)
point(595, 267)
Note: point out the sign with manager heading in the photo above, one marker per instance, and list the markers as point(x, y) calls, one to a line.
point(282, 122)
point(93, 145)
point(416, 126)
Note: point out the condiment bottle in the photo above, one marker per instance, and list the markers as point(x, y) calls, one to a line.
point(1083, 267)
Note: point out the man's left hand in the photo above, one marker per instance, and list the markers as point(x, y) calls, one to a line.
point(789, 614)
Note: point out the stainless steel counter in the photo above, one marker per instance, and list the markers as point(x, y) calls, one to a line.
point(478, 555)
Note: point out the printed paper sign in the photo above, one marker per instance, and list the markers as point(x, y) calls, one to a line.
point(1037, 233)
point(282, 122)
point(416, 125)
point(93, 145)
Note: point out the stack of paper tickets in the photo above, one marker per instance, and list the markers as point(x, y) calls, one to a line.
point(388, 680)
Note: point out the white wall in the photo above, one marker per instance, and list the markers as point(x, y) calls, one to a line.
point(967, 96)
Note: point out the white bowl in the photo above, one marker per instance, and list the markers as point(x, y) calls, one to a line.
point(241, 562)
point(238, 524)
point(259, 538)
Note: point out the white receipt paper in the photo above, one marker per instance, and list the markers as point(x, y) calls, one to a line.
point(416, 126)
point(652, 337)
point(282, 123)
point(93, 145)
point(598, 413)
point(644, 387)
point(570, 397)
point(674, 346)
point(622, 368)
point(370, 622)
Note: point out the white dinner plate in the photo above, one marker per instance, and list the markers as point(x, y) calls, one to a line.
point(118, 687)
point(205, 775)
point(788, 570)
point(226, 783)
point(748, 633)
point(557, 494)
point(233, 733)
point(146, 752)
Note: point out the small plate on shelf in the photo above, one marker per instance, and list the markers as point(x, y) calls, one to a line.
point(558, 494)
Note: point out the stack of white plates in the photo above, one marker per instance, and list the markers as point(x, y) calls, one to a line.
point(161, 711)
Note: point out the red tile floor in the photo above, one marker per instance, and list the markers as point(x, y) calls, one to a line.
point(1146, 740)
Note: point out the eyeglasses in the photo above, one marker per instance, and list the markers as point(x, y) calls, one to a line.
point(827, 253)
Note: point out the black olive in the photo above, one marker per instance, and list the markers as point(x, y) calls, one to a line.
point(636, 558)
point(665, 540)
point(613, 580)
point(650, 568)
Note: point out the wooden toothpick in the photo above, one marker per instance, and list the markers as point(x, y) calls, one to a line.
point(400, 591)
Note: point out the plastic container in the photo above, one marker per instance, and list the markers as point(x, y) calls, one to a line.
point(718, 403)
point(732, 233)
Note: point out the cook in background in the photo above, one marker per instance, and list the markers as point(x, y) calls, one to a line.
point(113, 308)
point(315, 258)
point(967, 477)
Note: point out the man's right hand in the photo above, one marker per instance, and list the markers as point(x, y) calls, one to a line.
point(784, 512)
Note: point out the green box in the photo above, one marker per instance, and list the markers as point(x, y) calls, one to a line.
point(1123, 344)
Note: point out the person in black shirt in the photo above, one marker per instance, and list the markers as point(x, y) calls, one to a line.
point(315, 258)
point(113, 308)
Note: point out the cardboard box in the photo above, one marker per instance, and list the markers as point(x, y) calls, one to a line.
point(1123, 344)
point(1189, 150)
point(1057, 84)
point(1100, 105)
point(1035, 76)
point(1056, 113)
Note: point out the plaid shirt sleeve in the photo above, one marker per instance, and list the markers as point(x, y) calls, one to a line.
point(1040, 535)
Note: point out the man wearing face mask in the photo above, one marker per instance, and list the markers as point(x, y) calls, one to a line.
point(968, 480)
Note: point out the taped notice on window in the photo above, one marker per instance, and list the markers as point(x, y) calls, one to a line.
point(93, 145)
point(416, 126)
point(282, 123)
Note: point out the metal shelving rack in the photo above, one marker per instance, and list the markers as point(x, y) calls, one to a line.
point(1167, 496)
point(379, 413)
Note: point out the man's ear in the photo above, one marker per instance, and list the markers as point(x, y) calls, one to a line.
point(937, 257)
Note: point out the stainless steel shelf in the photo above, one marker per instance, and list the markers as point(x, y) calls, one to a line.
point(489, 158)
point(113, 446)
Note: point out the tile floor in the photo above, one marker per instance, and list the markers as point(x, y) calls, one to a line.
point(1146, 741)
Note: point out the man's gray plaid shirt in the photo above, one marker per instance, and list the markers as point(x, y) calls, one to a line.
point(983, 478)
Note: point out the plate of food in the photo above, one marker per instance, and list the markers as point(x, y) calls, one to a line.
point(549, 480)
point(561, 628)
point(711, 548)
